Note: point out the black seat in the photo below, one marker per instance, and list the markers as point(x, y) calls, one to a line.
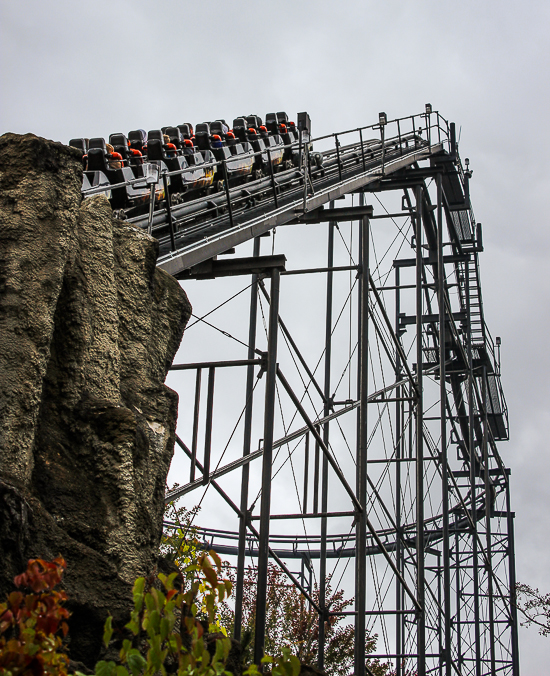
point(154, 150)
point(282, 118)
point(97, 160)
point(120, 145)
point(239, 128)
point(155, 134)
point(217, 128)
point(202, 136)
point(185, 130)
point(271, 123)
point(137, 139)
point(254, 121)
point(118, 139)
point(175, 136)
point(97, 143)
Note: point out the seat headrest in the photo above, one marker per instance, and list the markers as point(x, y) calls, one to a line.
point(216, 127)
point(254, 121)
point(155, 134)
point(185, 130)
point(173, 132)
point(202, 128)
point(138, 135)
point(118, 140)
point(98, 143)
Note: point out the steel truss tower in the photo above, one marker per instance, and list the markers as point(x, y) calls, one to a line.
point(367, 388)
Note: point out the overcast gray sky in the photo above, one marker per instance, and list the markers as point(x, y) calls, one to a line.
point(84, 68)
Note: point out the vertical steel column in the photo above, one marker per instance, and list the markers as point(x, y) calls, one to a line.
point(361, 466)
point(443, 414)
point(196, 413)
point(458, 615)
point(473, 460)
point(316, 461)
point(440, 622)
point(488, 509)
point(399, 428)
point(208, 432)
point(420, 592)
point(512, 577)
point(306, 473)
point(246, 450)
point(398, 456)
point(269, 415)
point(324, 479)
point(169, 212)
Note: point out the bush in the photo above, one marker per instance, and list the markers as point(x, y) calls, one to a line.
point(33, 622)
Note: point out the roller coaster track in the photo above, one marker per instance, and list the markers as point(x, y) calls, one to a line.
point(448, 565)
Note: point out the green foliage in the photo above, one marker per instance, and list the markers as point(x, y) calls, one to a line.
point(33, 621)
point(286, 664)
point(168, 620)
point(177, 624)
point(180, 544)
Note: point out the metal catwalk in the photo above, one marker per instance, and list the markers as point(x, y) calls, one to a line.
point(359, 439)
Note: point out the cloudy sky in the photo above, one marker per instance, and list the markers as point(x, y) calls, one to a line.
point(80, 68)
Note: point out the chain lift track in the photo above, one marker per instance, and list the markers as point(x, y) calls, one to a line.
point(421, 496)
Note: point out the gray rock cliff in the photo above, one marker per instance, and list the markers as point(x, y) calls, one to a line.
point(88, 329)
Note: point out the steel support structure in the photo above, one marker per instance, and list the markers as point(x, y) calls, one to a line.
point(401, 472)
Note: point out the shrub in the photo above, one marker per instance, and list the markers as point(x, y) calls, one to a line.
point(33, 622)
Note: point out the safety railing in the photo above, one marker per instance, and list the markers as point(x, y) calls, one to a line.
point(340, 151)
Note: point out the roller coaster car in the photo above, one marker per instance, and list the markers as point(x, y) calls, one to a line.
point(290, 141)
point(289, 127)
point(131, 156)
point(238, 156)
point(261, 160)
point(100, 172)
point(260, 141)
point(166, 157)
point(181, 154)
point(292, 147)
point(197, 157)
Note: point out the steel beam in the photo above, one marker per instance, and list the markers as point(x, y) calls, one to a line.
point(361, 457)
point(265, 505)
point(419, 447)
point(247, 440)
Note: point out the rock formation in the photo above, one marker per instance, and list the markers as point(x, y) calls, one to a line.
point(88, 330)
